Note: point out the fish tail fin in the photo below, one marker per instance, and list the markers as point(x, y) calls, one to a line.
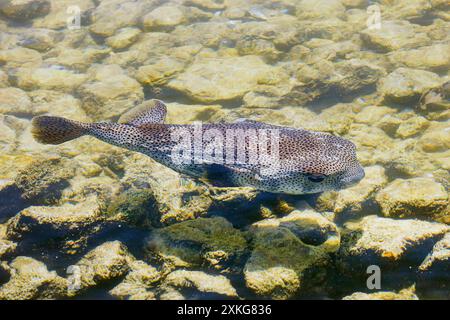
point(56, 130)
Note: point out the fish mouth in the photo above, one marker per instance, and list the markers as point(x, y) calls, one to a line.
point(352, 177)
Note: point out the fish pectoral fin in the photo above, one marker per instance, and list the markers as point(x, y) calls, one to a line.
point(218, 175)
point(151, 111)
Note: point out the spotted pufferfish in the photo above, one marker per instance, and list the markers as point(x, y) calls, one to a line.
point(307, 161)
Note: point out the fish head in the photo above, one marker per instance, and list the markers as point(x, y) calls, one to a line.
point(331, 164)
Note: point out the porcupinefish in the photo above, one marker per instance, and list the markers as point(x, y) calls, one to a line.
point(243, 153)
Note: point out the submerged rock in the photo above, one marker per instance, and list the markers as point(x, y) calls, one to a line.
point(6, 247)
point(41, 39)
point(388, 243)
point(163, 17)
point(405, 85)
point(435, 103)
point(43, 180)
point(49, 78)
point(188, 113)
point(405, 294)
point(412, 126)
point(25, 9)
point(76, 59)
point(319, 9)
point(211, 242)
point(3, 79)
point(200, 283)
point(57, 222)
point(436, 138)
point(30, 279)
point(209, 80)
point(413, 197)
point(354, 75)
point(160, 71)
point(102, 24)
point(123, 38)
point(138, 283)
point(434, 57)
point(7, 134)
point(20, 57)
point(438, 260)
point(284, 249)
point(57, 103)
point(394, 35)
point(434, 272)
point(167, 196)
point(355, 199)
point(109, 261)
point(62, 14)
point(110, 93)
point(14, 101)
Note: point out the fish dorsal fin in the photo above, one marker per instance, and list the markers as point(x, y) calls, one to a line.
point(151, 111)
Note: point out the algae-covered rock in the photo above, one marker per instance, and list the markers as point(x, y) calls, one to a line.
point(434, 272)
point(435, 103)
point(108, 261)
point(110, 93)
point(40, 39)
point(172, 198)
point(339, 117)
point(138, 283)
point(49, 78)
point(201, 283)
point(413, 197)
point(355, 3)
point(8, 134)
point(405, 294)
point(212, 242)
point(56, 222)
point(3, 79)
point(412, 126)
point(388, 243)
point(188, 113)
point(207, 4)
point(30, 279)
point(376, 115)
point(436, 138)
point(413, 10)
point(43, 180)
point(62, 14)
point(209, 80)
point(437, 261)
point(354, 75)
point(404, 85)
point(160, 71)
point(310, 9)
point(6, 247)
point(76, 59)
point(57, 103)
point(163, 17)
point(25, 9)
point(434, 57)
point(355, 199)
point(14, 101)
point(259, 47)
point(394, 35)
point(20, 57)
point(283, 249)
point(102, 24)
point(123, 38)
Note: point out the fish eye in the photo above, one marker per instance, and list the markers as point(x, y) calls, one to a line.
point(315, 177)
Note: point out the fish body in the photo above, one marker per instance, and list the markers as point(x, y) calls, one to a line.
point(245, 153)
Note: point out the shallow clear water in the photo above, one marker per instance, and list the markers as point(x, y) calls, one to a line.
point(373, 72)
